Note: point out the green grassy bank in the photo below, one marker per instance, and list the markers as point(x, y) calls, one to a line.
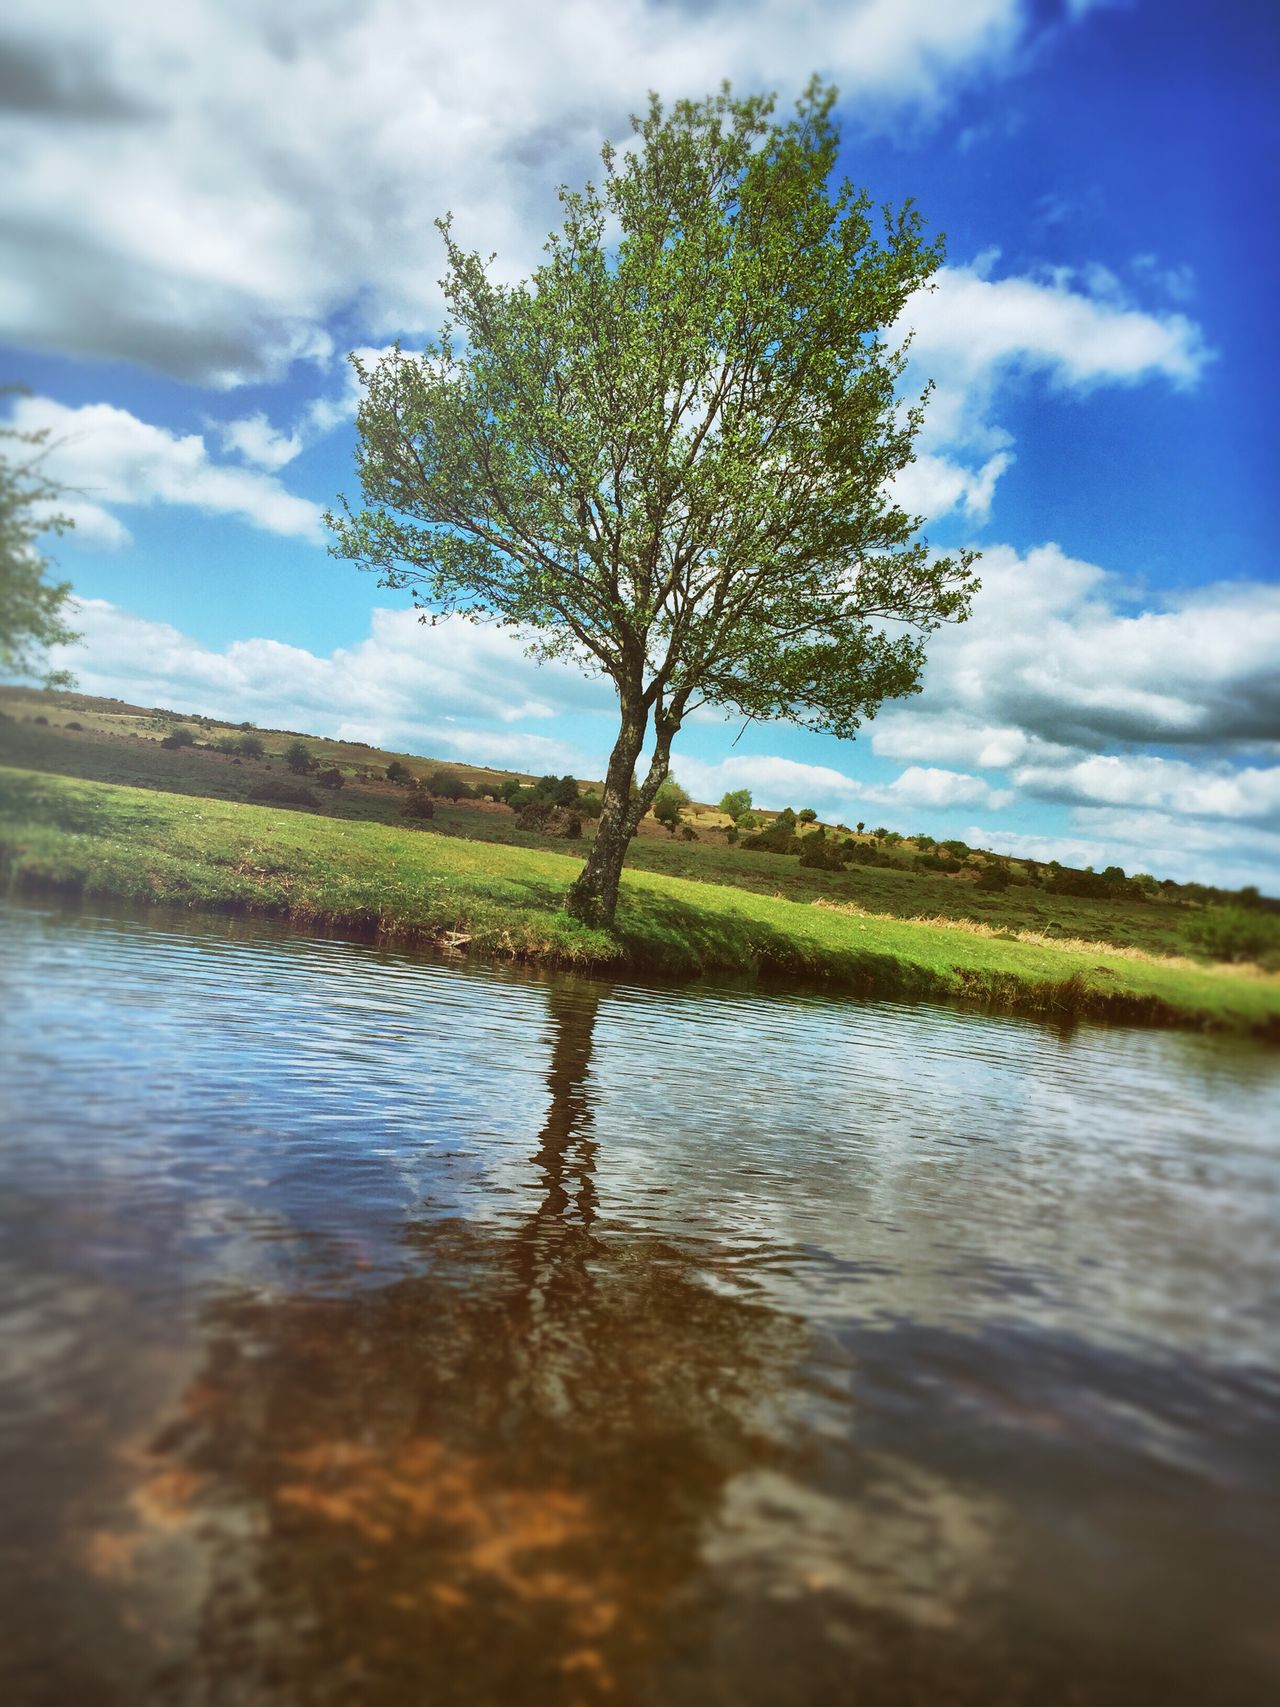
point(73, 838)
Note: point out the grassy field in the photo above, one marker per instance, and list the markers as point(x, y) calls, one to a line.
point(106, 741)
point(89, 839)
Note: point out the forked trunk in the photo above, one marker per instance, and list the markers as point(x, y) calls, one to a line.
point(593, 897)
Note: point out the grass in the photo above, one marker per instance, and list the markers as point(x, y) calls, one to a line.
point(120, 744)
point(89, 839)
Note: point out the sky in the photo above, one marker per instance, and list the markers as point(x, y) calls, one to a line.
point(204, 206)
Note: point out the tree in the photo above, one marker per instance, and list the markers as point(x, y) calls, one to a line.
point(667, 803)
point(250, 746)
point(669, 454)
point(297, 755)
point(399, 772)
point(736, 802)
point(448, 785)
point(807, 815)
point(32, 607)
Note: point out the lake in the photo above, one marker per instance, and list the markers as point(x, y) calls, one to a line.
point(378, 1329)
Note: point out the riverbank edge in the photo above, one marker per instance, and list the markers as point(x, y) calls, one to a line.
point(76, 841)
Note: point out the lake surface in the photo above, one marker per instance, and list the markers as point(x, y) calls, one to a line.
point(378, 1330)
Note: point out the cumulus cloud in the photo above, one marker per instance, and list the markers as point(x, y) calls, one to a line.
point(776, 782)
point(104, 456)
point(453, 690)
point(340, 133)
point(1055, 659)
point(971, 332)
point(1143, 779)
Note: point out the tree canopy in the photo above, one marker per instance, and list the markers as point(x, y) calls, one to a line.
point(670, 453)
point(32, 607)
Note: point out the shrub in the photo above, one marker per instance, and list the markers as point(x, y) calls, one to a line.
point(74, 726)
point(807, 815)
point(417, 807)
point(938, 864)
point(589, 805)
point(957, 850)
point(774, 840)
point(40, 718)
point(993, 877)
point(818, 854)
point(448, 785)
point(398, 772)
point(179, 738)
point(688, 832)
point(298, 758)
point(668, 802)
point(250, 747)
point(923, 841)
point(1235, 933)
point(228, 744)
point(747, 821)
point(332, 778)
point(784, 820)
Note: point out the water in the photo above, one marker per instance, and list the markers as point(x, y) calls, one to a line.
point(377, 1331)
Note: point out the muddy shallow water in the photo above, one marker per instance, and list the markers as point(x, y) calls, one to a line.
point(379, 1330)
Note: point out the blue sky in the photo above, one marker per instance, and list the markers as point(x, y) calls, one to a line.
point(205, 207)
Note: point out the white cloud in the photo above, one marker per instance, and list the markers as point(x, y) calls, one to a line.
point(1055, 653)
point(972, 332)
point(926, 785)
point(1145, 780)
point(102, 455)
point(268, 167)
point(972, 326)
point(454, 689)
point(256, 440)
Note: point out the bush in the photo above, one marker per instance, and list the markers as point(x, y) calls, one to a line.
point(298, 758)
point(332, 778)
point(228, 744)
point(818, 854)
point(667, 804)
point(994, 878)
point(417, 807)
point(774, 840)
point(747, 821)
point(1235, 933)
point(179, 738)
point(784, 820)
point(398, 772)
point(589, 805)
point(250, 747)
point(688, 832)
point(736, 802)
point(448, 785)
point(73, 726)
point(807, 815)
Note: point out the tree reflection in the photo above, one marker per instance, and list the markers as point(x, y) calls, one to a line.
point(486, 1480)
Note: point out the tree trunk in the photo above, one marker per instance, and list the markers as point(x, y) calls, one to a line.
point(593, 896)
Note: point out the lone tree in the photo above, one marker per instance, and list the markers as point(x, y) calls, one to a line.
point(32, 607)
point(668, 454)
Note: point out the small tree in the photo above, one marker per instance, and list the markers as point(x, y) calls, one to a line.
point(667, 803)
point(331, 778)
point(32, 607)
point(670, 454)
point(179, 738)
point(807, 815)
point(250, 747)
point(398, 772)
point(297, 756)
point(448, 785)
point(736, 802)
